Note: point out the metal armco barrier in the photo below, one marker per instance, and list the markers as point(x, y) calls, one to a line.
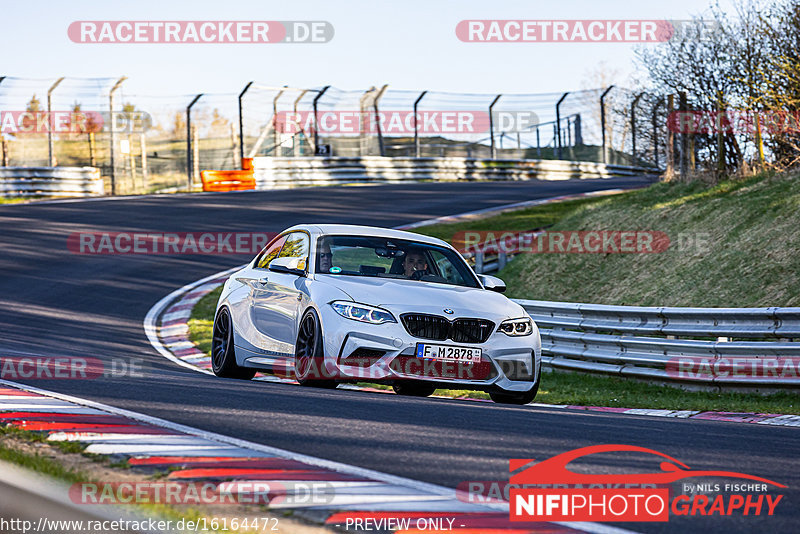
point(622, 340)
point(282, 171)
point(50, 182)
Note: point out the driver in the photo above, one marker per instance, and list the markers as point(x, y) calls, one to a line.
point(413, 262)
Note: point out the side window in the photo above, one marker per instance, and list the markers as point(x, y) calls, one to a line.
point(446, 268)
point(271, 253)
point(296, 246)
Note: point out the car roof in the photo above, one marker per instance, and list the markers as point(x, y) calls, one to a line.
point(373, 231)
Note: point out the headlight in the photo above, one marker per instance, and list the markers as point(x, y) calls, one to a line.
point(362, 312)
point(517, 327)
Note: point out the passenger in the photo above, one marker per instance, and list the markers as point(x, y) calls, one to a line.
point(325, 260)
point(415, 262)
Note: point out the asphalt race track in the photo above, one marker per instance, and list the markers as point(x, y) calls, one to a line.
point(57, 303)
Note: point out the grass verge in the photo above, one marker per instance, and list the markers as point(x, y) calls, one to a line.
point(733, 244)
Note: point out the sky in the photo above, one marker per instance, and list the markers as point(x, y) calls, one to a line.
point(408, 44)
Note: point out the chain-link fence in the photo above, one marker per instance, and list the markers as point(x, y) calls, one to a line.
point(380, 121)
point(147, 143)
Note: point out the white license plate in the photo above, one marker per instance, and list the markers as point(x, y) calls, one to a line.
point(448, 353)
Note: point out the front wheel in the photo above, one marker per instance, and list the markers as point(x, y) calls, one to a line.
point(309, 359)
point(223, 355)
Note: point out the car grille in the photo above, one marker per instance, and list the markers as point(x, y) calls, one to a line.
point(440, 328)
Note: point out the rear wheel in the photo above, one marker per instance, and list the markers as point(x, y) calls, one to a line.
point(414, 389)
point(223, 355)
point(309, 359)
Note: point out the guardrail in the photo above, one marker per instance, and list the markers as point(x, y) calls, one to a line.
point(50, 182)
point(281, 171)
point(666, 343)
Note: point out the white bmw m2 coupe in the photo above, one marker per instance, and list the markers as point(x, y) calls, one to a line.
point(327, 304)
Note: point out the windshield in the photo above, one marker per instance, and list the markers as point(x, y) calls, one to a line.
point(391, 258)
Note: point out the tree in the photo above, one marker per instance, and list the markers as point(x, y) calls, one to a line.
point(179, 124)
point(747, 62)
point(220, 126)
point(30, 122)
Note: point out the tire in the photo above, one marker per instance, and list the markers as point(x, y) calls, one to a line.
point(223, 355)
point(501, 397)
point(309, 355)
point(414, 389)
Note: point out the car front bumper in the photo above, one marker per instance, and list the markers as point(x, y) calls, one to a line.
point(387, 353)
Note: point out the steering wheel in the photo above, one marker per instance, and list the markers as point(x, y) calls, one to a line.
point(417, 275)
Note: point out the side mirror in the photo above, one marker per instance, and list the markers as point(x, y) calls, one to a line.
point(492, 283)
point(295, 266)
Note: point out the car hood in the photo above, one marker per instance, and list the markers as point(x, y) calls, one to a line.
point(401, 296)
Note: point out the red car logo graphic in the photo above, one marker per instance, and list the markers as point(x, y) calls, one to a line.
point(554, 470)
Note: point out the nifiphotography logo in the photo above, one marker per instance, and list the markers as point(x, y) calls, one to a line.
point(549, 491)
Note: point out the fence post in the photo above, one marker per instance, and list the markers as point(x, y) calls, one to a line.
point(569, 131)
point(491, 125)
point(558, 124)
point(3, 139)
point(719, 124)
point(381, 147)
point(92, 150)
point(633, 124)
point(143, 150)
point(241, 123)
point(684, 161)
point(51, 158)
point(655, 129)
point(603, 121)
point(276, 139)
point(316, 124)
point(416, 120)
point(189, 162)
point(296, 135)
point(113, 134)
point(132, 161)
point(670, 155)
point(578, 130)
point(759, 140)
point(538, 144)
point(195, 156)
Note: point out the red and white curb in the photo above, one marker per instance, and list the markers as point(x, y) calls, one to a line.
point(195, 455)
